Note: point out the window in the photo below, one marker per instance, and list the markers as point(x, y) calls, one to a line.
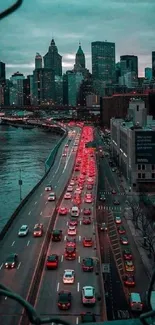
point(139, 167)
point(143, 175)
point(139, 175)
point(153, 175)
point(137, 108)
point(143, 167)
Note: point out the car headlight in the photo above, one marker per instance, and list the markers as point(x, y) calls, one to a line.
point(6, 264)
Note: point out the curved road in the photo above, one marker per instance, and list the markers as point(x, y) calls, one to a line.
point(36, 210)
point(51, 281)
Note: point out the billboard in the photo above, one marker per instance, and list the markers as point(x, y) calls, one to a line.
point(145, 147)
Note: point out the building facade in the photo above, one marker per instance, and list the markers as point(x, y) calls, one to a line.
point(148, 73)
point(38, 61)
point(129, 63)
point(53, 60)
point(153, 64)
point(16, 89)
point(103, 61)
point(133, 141)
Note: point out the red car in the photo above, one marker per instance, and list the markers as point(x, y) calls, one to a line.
point(63, 211)
point(87, 264)
point(87, 212)
point(127, 255)
point(86, 221)
point(87, 242)
point(70, 253)
point(38, 230)
point(73, 222)
point(89, 186)
point(52, 261)
point(71, 242)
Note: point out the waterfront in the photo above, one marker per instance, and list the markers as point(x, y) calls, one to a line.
point(25, 150)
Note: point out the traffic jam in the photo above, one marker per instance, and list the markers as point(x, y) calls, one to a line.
point(77, 209)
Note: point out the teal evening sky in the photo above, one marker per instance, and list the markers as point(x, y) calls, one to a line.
point(128, 23)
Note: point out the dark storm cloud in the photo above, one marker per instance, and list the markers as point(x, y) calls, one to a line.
point(130, 24)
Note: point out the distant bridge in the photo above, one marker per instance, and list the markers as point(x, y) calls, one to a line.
point(50, 108)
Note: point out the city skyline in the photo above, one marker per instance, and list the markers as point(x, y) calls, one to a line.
point(28, 31)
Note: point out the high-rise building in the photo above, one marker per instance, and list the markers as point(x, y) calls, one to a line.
point(2, 83)
point(16, 90)
point(38, 61)
point(103, 61)
point(153, 64)
point(148, 73)
point(53, 60)
point(2, 72)
point(43, 86)
point(71, 87)
point(129, 63)
point(80, 58)
point(58, 90)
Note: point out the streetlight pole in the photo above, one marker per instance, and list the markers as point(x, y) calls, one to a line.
point(20, 182)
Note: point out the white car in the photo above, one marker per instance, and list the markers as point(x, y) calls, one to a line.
point(72, 231)
point(88, 295)
point(69, 276)
point(67, 196)
point(69, 188)
point(51, 196)
point(78, 190)
point(48, 188)
point(23, 231)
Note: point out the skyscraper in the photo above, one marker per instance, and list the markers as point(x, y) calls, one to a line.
point(153, 64)
point(38, 61)
point(129, 63)
point(80, 58)
point(148, 73)
point(53, 60)
point(16, 91)
point(103, 61)
point(2, 83)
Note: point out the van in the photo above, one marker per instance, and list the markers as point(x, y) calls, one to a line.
point(135, 302)
point(75, 212)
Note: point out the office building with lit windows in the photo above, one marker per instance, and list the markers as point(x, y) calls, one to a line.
point(133, 143)
point(103, 61)
point(16, 89)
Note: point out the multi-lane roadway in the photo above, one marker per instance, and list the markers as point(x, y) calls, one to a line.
point(52, 281)
point(111, 249)
point(36, 210)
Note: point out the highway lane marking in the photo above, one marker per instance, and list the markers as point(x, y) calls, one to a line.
point(79, 238)
point(29, 213)
point(58, 286)
point(80, 222)
point(65, 238)
point(67, 223)
point(41, 194)
point(1, 266)
point(13, 243)
point(79, 259)
point(77, 320)
point(28, 242)
point(62, 257)
point(46, 202)
point(81, 210)
point(19, 266)
point(78, 286)
point(6, 298)
point(41, 213)
point(35, 203)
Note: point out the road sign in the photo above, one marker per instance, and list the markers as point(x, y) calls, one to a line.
point(105, 268)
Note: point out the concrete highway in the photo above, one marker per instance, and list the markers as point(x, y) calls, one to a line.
point(111, 250)
point(51, 282)
point(36, 210)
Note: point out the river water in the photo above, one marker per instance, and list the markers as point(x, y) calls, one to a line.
point(25, 150)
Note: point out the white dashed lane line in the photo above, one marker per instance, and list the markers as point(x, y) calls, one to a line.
point(58, 286)
point(77, 320)
point(13, 243)
point(28, 243)
point(18, 266)
point(35, 203)
point(79, 259)
point(78, 286)
point(41, 194)
point(29, 213)
point(62, 257)
point(41, 213)
point(1, 266)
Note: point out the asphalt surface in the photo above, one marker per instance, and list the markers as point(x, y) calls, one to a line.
point(111, 249)
point(51, 281)
point(36, 210)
